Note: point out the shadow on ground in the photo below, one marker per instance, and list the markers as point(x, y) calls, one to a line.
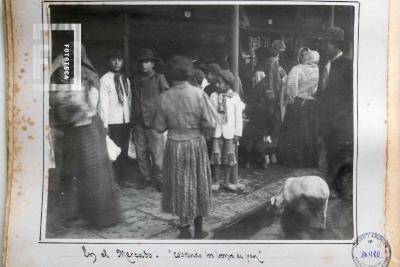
point(234, 216)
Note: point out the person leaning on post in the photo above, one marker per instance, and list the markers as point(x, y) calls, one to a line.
point(147, 87)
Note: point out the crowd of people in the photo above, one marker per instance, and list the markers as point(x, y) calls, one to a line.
point(186, 124)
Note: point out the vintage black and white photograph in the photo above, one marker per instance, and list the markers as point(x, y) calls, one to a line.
point(202, 121)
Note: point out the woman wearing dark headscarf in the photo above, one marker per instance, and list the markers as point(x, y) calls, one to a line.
point(185, 111)
point(198, 77)
point(85, 163)
point(298, 137)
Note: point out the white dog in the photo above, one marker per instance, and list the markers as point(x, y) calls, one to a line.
point(304, 186)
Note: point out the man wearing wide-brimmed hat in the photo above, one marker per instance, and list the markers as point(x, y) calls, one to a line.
point(336, 101)
point(147, 86)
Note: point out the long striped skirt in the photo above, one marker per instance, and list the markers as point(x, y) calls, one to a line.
point(187, 178)
point(85, 157)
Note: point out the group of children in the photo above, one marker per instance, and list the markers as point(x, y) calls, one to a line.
point(257, 136)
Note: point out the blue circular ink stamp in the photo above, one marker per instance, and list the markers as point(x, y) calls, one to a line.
point(371, 249)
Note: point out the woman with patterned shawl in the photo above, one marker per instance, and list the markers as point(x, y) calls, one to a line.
point(297, 145)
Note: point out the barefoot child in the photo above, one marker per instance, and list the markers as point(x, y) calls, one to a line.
point(228, 130)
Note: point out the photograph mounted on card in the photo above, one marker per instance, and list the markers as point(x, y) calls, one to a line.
point(202, 121)
point(176, 133)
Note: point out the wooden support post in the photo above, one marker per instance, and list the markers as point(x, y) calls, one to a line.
point(235, 68)
point(235, 47)
point(126, 43)
point(331, 21)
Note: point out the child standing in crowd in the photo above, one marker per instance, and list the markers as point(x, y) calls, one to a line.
point(228, 129)
point(115, 109)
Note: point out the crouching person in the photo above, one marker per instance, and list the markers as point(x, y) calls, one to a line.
point(185, 112)
point(306, 196)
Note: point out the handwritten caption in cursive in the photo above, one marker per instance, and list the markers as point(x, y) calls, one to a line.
point(141, 255)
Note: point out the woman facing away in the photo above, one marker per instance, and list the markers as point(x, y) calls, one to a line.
point(85, 164)
point(298, 137)
point(184, 111)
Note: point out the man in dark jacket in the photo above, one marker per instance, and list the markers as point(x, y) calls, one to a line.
point(336, 102)
point(147, 86)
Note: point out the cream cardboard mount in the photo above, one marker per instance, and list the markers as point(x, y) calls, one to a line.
point(376, 169)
